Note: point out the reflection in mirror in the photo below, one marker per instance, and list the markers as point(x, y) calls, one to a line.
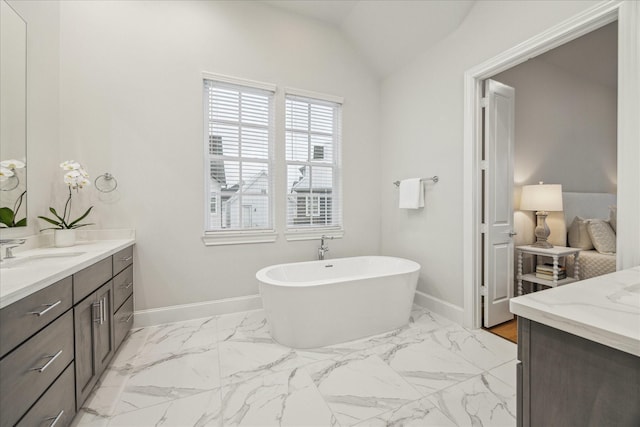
point(13, 118)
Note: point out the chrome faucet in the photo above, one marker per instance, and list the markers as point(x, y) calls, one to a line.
point(9, 244)
point(323, 249)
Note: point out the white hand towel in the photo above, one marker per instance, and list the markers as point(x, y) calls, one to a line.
point(411, 194)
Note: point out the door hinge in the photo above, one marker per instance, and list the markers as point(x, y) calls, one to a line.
point(483, 165)
point(483, 228)
point(484, 102)
point(483, 290)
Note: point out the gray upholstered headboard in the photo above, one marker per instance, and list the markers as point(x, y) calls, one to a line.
point(586, 205)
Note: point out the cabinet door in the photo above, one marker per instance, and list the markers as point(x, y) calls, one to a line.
point(104, 338)
point(86, 314)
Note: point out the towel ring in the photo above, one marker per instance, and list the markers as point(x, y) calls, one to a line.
point(106, 183)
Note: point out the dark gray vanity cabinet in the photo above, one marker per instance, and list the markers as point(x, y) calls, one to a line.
point(103, 318)
point(94, 339)
point(123, 293)
point(56, 342)
point(37, 347)
point(565, 380)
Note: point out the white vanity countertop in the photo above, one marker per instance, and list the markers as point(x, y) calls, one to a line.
point(604, 309)
point(52, 265)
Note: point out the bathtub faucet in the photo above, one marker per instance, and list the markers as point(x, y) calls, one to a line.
point(323, 249)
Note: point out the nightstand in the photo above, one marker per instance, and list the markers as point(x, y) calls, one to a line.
point(556, 253)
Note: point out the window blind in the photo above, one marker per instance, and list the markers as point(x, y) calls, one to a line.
point(312, 138)
point(239, 147)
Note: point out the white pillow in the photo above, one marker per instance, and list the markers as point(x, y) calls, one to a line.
point(578, 234)
point(613, 218)
point(602, 236)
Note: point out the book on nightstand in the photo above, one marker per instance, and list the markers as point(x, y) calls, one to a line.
point(545, 271)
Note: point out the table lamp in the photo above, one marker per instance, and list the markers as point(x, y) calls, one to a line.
point(541, 198)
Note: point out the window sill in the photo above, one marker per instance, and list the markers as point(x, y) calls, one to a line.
point(238, 237)
point(313, 234)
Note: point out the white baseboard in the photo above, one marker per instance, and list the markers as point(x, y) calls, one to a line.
point(177, 313)
point(443, 308)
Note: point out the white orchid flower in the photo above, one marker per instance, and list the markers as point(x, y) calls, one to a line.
point(5, 173)
point(12, 164)
point(70, 165)
point(83, 182)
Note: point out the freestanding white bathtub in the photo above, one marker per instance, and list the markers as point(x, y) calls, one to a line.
point(319, 303)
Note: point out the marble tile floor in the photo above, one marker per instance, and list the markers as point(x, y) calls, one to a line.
point(227, 371)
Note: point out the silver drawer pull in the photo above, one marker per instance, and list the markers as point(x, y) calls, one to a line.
point(127, 319)
point(54, 357)
point(49, 307)
point(127, 286)
point(98, 305)
point(55, 419)
point(127, 259)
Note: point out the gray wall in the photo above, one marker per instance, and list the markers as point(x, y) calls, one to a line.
point(565, 129)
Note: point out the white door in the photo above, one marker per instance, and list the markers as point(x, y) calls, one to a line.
point(498, 202)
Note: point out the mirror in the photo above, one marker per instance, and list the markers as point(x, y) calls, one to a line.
point(13, 118)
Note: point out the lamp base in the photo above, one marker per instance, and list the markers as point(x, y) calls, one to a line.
point(542, 244)
point(542, 231)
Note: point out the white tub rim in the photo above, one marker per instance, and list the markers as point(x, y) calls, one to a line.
point(410, 267)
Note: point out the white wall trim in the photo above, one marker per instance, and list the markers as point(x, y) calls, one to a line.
point(438, 306)
point(628, 133)
point(178, 313)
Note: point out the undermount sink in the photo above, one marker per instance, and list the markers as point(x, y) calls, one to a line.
point(37, 260)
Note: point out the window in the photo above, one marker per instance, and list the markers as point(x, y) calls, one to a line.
point(239, 146)
point(312, 138)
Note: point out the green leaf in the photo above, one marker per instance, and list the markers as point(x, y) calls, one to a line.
point(71, 225)
point(6, 216)
point(53, 211)
point(22, 222)
point(50, 221)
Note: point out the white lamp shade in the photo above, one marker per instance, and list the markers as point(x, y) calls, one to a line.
point(541, 197)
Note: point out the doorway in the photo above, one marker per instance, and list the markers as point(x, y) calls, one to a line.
point(626, 13)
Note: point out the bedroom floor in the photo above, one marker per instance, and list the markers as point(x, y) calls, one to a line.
point(507, 330)
point(226, 370)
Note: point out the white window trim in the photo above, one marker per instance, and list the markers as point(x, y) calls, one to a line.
point(238, 81)
point(238, 237)
point(313, 234)
point(235, 237)
point(315, 95)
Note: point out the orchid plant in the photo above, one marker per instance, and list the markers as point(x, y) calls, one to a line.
point(8, 215)
point(76, 177)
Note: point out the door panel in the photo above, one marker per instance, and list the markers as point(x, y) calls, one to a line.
point(85, 314)
point(498, 193)
point(104, 330)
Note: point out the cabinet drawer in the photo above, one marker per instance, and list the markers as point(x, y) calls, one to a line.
point(123, 321)
point(88, 280)
point(27, 316)
point(122, 259)
point(122, 286)
point(56, 405)
point(31, 368)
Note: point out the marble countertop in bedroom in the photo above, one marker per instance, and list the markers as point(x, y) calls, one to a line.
point(604, 309)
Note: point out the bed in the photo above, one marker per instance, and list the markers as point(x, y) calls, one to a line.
point(590, 206)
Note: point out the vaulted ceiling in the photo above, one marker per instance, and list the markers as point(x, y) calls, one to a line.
point(388, 33)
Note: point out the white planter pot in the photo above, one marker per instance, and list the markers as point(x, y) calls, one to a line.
point(64, 238)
